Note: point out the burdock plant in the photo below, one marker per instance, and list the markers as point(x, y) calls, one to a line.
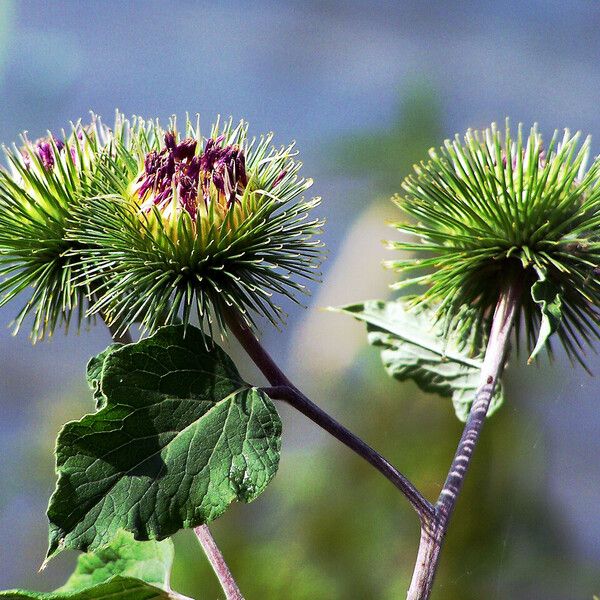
point(198, 227)
point(187, 238)
point(503, 237)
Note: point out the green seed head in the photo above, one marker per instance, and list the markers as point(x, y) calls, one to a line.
point(494, 210)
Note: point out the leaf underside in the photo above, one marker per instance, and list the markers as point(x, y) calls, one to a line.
point(547, 295)
point(178, 438)
point(414, 348)
point(149, 561)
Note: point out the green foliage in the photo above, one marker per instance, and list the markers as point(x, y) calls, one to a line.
point(548, 296)
point(123, 570)
point(494, 211)
point(149, 561)
point(415, 348)
point(179, 437)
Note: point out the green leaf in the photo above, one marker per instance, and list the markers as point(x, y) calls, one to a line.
point(94, 373)
point(180, 437)
point(117, 588)
point(547, 295)
point(123, 570)
point(149, 561)
point(413, 347)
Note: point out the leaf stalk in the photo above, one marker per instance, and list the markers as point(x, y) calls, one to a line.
point(283, 389)
point(217, 562)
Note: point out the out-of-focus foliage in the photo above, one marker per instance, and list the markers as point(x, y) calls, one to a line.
point(338, 527)
point(384, 156)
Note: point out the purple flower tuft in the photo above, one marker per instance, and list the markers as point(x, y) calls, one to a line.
point(279, 178)
point(225, 167)
point(177, 167)
point(45, 151)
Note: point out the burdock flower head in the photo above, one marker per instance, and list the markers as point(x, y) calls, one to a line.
point(494, 211)
point(203, 225)
point(40, 187)
point(176, 178)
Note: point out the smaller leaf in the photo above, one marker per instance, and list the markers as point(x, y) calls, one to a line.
point(149, 561)
point(122, 570)
point(547, 295)
point(414, 348)
point(94, 373)
point(117, 588)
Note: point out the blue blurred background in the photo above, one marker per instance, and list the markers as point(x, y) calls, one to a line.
point(365, 88)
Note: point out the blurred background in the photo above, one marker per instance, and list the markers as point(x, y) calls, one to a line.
point(365, 88)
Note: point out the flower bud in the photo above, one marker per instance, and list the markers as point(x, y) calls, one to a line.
point(490, 211)
point(206, 225)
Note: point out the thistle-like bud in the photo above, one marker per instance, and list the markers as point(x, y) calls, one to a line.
point(43, 183)
point(492, 211)
point(203, 226)
point(217, 176)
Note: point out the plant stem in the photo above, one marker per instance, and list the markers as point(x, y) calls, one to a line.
point(232, 591)
point(284, 389)
point(433, 532)
point(214, 555)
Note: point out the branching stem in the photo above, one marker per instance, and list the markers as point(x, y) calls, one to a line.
point(434, 519)
point(284, 389)
point(434, 531)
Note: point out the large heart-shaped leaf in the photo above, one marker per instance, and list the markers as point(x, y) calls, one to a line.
point(94, 373)
point(178, 438)
point(123, 570)
point(415, 348)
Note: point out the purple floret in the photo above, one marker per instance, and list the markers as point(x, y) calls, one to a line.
point(177, 166)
